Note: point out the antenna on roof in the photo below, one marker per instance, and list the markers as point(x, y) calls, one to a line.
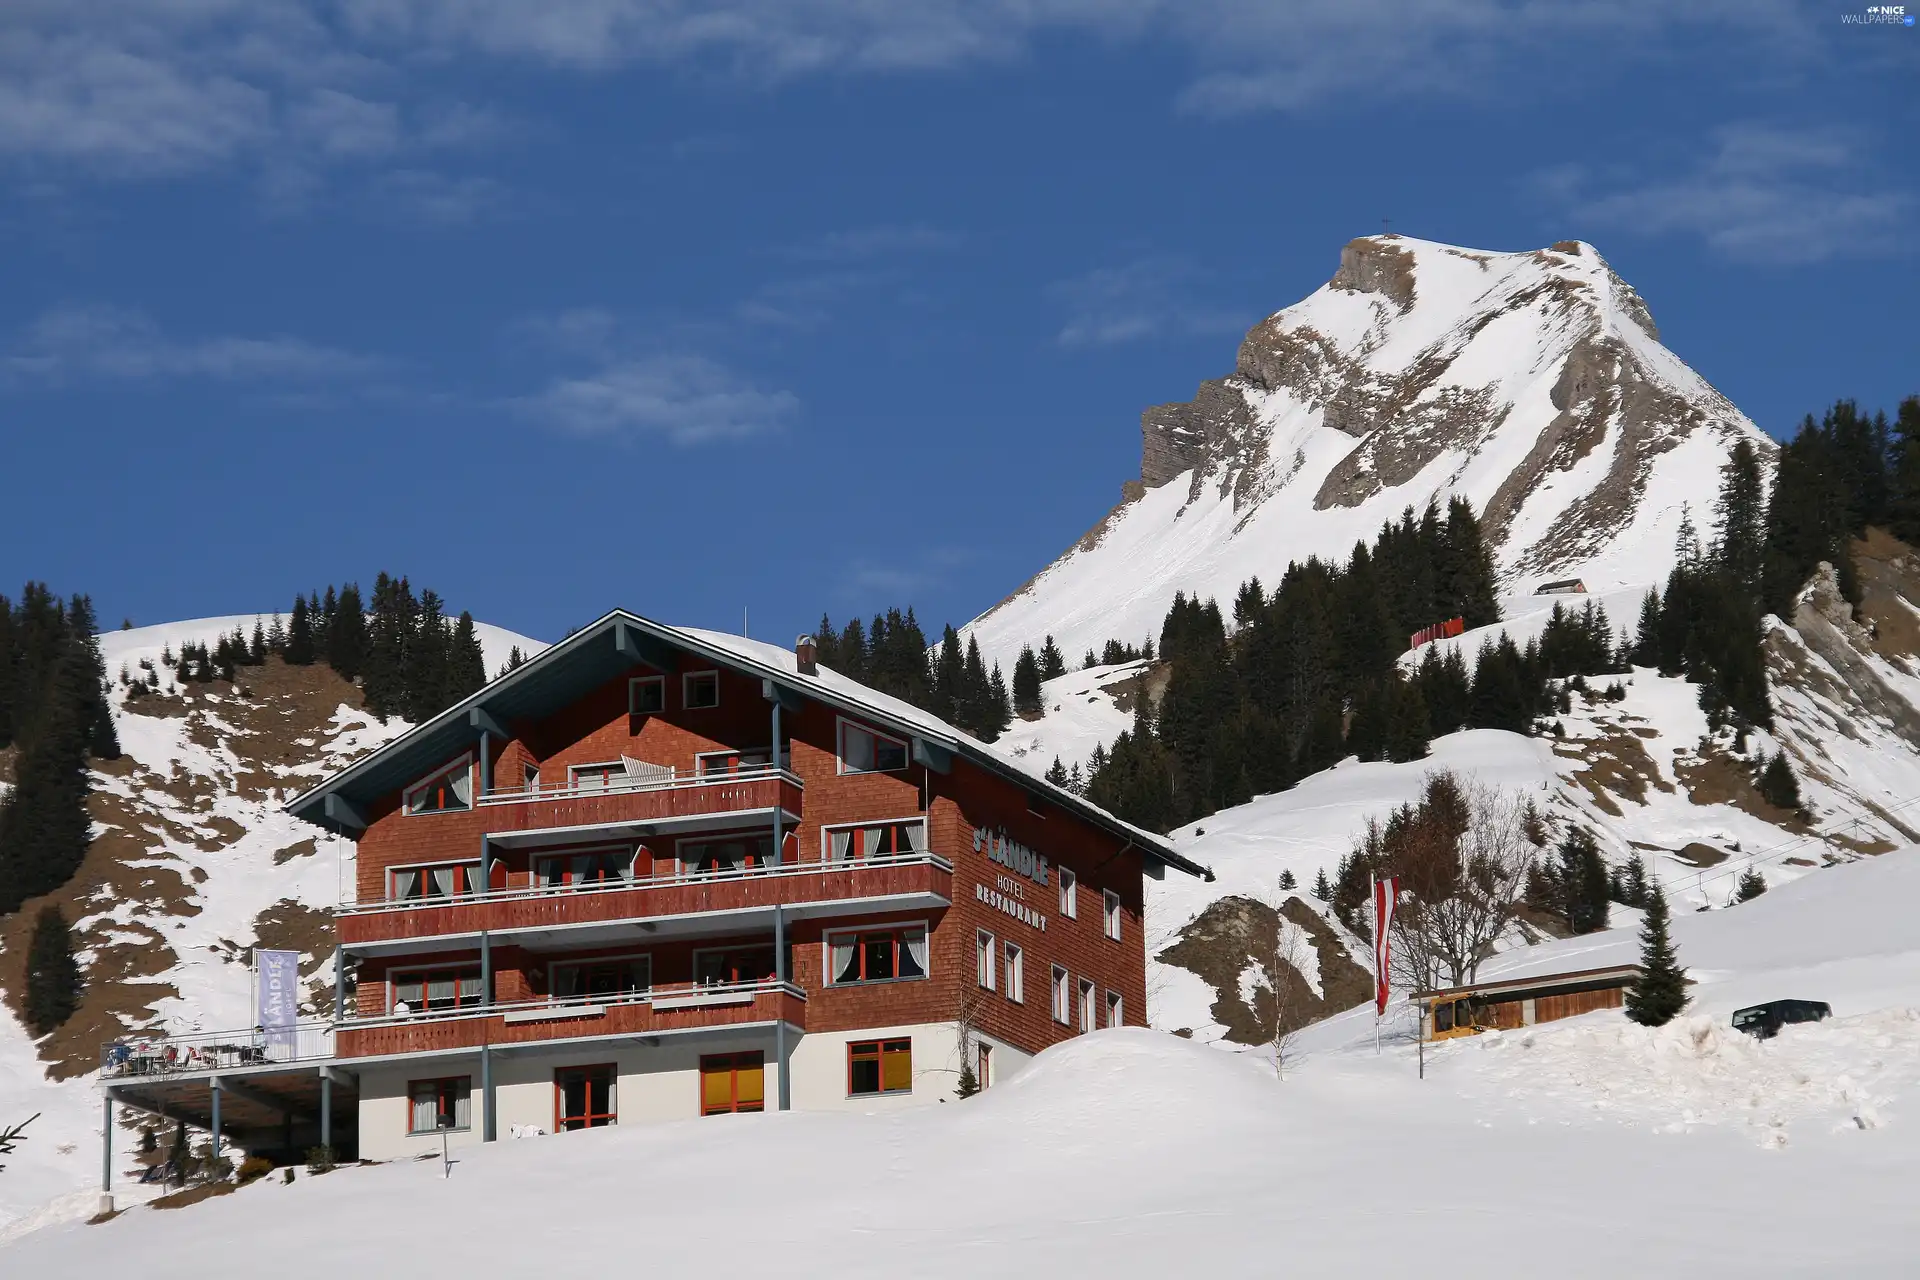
point(743, 622)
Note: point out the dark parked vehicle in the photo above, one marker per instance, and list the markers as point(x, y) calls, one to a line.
point(1763, 1021)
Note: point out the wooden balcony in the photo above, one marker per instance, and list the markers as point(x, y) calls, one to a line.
point(519, 815)
point(804, 888)
point(660, 1011)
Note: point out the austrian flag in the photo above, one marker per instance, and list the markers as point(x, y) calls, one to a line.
point(1385, 894)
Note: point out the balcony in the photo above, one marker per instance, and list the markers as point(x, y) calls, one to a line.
point(656, 799)
point(663, 1010)
point(685, 903)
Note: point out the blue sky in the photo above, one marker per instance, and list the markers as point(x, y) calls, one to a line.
point(826, 304)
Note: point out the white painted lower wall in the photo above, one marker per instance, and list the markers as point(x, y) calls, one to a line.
point(654, 1083)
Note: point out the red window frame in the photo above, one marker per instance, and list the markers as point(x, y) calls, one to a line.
point(733, 962)
point(441, 784)
point(983, 1074)
point(1112, 913)
point(607, 871)
point(840, 749)
point(445, 1102)
point(897, 937)
point(464, 876)
point(876, 1052)
point(399, 976)
point(731, 1063)
point(588, 1119)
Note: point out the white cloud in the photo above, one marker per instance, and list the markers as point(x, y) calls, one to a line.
point(687, 399)
point(1147, 297)
point(1762, 193)
point(111, 342)
point(427, 195)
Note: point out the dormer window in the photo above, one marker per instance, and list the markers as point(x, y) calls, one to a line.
point(646, 695)
point(447, 791)
point(863, 750)
point(700, 690)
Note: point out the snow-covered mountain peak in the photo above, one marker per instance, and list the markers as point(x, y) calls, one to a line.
point(1532, 383)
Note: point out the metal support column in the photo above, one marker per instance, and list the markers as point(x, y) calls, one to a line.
point(486, 765)
point(339, 984)
point(326, 1109)
point(780, 1019)
point(214, 1084)
point(486, 1094)
point(106, 1150)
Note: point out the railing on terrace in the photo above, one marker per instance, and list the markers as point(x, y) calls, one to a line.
point(666, 997)
point(150, 1054)
point(666, 779)
point(623, 884)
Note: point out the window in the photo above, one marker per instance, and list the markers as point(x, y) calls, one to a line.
point(583, 1098)
point(588, 867)
point(700, 690)
point(732, 964)
point(1016, 973)
point(877, 955)
point(879, 1066)
point(597, 777)
point(983, 1074)
point(530, 776)
point(731, 1082)
point(439, 1104)
point(646, 695)
point(1086, 1006)
point(1068, 906)
point(445, 792)
point(1061, 994)
point(709, 764)
point(1442, 1017)
point(431, 990)
point(734, 853)
point(1115, 1014)
point(983, 958)
point(612, 977)
point(1111, 901)
point(862, 750)
point(877, 840)
point(449, 880)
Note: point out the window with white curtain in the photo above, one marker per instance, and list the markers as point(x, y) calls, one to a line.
point(1062, 995)
point(1015, 970)
point(876, 839)
point(877, 955)
point(1069, 899)
point(983, 959)
point(447, 791)
point(448, 880)
point(1086, 1005)
point(1111, 902)
point(864, 750)
point(431, 1100)
point(1114, 1018)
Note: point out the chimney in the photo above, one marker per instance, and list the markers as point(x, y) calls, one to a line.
point(804, 656)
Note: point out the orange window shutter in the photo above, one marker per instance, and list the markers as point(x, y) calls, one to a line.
point(716, 1087)
point(896, 1067)
point(752, 1090)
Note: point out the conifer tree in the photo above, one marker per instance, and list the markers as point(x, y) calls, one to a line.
point(949, 677)
point(1778, 786)
point(1287, 881)
point(1057, 773)
point(1739, 549)
point(1752, 885)
point(44, 824)
point(1089, 662)
point(96, 715)
point(257, 652)
point(826, 643)
point(1026, 683)
point(1052, 665)
point(852, 650)
point(1321, 889)
point(300, 651)
point(323, 621)
point(999, 707)
point(1903, 499)
point(424, 672)
point(976, 693)
point(347, 634)
point(277, 635)
point(1076, 782)
point(53, 976)
point(466, 662)
point(1660, 992)
point(1584, 887)
point(1633, 881)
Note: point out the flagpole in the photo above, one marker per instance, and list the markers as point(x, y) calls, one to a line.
point(1373, 901)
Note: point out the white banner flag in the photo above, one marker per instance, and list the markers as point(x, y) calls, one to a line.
point(277, 995)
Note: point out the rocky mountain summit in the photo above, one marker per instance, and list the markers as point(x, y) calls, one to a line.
point(1534, 384)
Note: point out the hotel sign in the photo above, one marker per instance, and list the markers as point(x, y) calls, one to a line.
point(1010, 854)
point(1009, 895)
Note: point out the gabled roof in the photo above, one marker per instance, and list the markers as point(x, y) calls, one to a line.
point(1612, 975)
point(619, 641)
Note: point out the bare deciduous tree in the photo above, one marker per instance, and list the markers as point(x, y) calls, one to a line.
point(1285, 962)
point(1462, 856)
point(14, 1136)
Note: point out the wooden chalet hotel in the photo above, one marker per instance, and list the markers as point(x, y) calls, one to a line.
point(659, 873)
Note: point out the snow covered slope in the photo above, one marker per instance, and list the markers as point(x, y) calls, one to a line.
point(1607, 1148)
point(192, 864)
point(1533, 384)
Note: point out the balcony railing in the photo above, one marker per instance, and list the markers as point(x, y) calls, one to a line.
point(630, 884)
point(659, 778)
point(147, 1054)
point(673, 1007)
